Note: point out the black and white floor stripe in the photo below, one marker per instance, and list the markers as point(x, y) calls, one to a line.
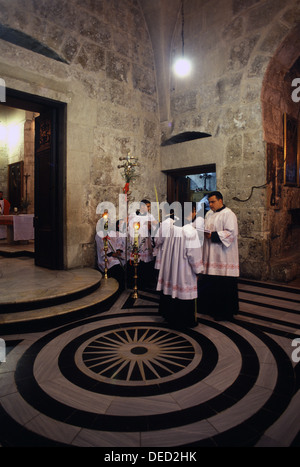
point(124, 378)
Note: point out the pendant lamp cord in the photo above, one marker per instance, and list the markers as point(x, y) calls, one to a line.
point(182, 27)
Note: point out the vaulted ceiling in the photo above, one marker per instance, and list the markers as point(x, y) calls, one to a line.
point(161, 17)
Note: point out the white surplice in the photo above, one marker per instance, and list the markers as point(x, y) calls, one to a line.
point(221, 259)
point(163, 231)
point(181, 261)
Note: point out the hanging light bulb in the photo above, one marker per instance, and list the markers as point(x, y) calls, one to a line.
point(182, 66)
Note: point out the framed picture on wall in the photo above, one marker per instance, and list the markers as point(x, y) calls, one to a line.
point(291, 150)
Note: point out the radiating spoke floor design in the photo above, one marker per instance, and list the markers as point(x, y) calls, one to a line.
point(137, 355)
point(124, 378)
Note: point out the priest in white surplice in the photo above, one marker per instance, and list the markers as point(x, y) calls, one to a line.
point(218, 293)
point(181, 262)
point(161, 233)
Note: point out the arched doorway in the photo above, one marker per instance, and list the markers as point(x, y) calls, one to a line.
point(281, 125)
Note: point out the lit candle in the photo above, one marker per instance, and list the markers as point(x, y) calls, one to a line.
point(136, 227)
point(105, 217)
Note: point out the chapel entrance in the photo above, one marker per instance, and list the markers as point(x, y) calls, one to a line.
point(49, 175)
point(191, 184)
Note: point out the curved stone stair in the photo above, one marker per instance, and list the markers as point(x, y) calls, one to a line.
point(29, 293)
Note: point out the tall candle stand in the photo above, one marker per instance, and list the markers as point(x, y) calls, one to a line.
point(136, 227)
point(129, 165)
point(105, 216)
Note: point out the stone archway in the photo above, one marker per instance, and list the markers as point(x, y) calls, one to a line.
point(283, 200)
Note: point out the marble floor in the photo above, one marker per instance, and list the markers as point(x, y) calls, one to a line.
point(120, 377)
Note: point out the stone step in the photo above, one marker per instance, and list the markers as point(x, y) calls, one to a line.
point(107, 289)
point(25, 286)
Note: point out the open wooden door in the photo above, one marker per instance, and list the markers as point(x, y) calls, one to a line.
point(178, 186)
point(48, 199)
point(49, 183)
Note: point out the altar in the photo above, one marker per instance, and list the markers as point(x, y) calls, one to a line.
point(19, 227)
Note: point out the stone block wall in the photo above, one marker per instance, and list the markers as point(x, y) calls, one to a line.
point(104, 70)
point(231, 44)
point(284, 199)
point(96, 56)
point(3, 155)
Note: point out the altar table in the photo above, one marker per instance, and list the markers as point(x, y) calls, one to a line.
point(19, 227)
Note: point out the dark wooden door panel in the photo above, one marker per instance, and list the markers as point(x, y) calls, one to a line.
point(46, 198)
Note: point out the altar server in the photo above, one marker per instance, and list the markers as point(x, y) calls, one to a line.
point(218, 292)
point(162, 232)
point(181, 262)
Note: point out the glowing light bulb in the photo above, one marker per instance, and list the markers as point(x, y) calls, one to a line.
point(182, 67)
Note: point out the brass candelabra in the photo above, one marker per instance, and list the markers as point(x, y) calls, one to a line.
point(129, 165)
point(105, 216)
point(136, 227)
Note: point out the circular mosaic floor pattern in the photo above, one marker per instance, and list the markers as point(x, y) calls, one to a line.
point(139, 355)
point(97, 379)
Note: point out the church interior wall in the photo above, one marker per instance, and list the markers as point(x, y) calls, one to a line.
point(108, 76)
point(283, 196)
point(230, 53)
